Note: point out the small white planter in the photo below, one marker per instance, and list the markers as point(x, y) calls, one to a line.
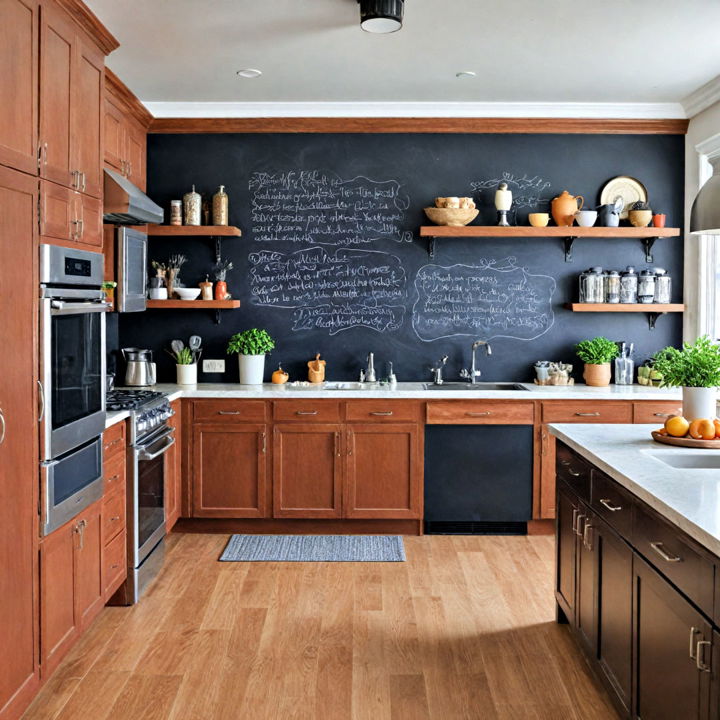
point(699, 402)
point(252, 369)
point(187, 374)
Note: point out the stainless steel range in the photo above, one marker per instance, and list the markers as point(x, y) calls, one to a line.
point(150, 438)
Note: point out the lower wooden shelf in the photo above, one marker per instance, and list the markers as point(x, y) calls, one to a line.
point(653, 310)
point(193, 304)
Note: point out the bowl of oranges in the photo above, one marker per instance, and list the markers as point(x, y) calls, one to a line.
point(698, 433)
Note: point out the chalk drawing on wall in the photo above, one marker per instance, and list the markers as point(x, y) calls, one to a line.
point(529, 191)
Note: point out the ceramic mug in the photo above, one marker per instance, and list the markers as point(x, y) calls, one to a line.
point(539, 219)
point(609, 215)
point(658, 220)
point(586, 218)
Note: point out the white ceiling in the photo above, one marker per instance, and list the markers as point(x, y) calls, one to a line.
point(313, 51)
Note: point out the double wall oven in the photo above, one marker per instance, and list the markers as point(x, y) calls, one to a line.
point(72, 381)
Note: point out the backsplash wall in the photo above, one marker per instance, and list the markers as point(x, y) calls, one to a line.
point(331, 260)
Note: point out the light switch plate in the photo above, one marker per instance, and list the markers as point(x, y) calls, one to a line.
point(213, 366)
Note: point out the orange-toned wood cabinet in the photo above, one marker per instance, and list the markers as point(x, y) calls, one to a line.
point(19, 480)
point(173, 470)
point(114, 509)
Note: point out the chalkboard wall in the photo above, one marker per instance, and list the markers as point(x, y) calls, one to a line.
point(330, 259)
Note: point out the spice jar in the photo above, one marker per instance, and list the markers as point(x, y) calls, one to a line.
point(663, 286)
point(646, 287)
point(192, 202)
point(176, 212)
point(592, 288)
point(629, 286)
point(220, 207)
point(612, 287)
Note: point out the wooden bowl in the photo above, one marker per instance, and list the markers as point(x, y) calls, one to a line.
point(451, 216)
point(686, 442)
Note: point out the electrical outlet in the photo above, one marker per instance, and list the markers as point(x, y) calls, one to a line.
point(213, 366)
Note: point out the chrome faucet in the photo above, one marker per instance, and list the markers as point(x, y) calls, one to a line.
point(438, 371)
point(472, 374)
point(370, 372)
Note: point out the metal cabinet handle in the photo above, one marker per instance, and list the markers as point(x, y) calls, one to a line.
point(41, 396)
point(693, 632)
point(572, 472)
point(3, 427)
point(123, 171)
point(112, 444)
point(44, 152)
point(80, 530)
point(665, 415)
point(80, 228)
point(351, 442)
point(263, 437)
point(228, 412)
point(700, 656)
point(112, 479)
point(478, 414)
point(612, 508)
point(115, 566)
point(587, 536)
point(590, 414)
point(658, 548)
point(82, 174)
point(578, 531)
point(74, 184)
point(576, 511)
point(387, 413)
point(306, 412)
point(114, 518)
point(129, 168)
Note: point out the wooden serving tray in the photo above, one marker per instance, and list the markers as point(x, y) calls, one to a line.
point(686, 442)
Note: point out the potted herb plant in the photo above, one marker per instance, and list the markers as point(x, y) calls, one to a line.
point(251, 347)
point(597, 355)
point(185, 365)
point(696, 369)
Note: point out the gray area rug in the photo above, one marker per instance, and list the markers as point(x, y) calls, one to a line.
point(314, 548)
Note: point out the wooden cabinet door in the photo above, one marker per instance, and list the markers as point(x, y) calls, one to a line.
point(173, 471)
point(57, 58)
point(59, 623)
point(565, 552)
point(384, 471)
point(614, 608)
point(136, 148)
point(18, 438)
point(668, 632)
point(229, 470)
point(87, 115)
point(18, 84)
point(307, 470)
point(90, 219)
point(586, 579)
point(58, 211)
point(88, 566)
point(114, 134)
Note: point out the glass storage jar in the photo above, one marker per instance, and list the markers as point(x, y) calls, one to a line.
point(646, 287)
point(629, 286)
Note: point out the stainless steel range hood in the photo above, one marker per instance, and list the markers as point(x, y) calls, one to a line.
point(126, 204)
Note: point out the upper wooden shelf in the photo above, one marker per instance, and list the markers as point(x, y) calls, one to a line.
point(193, 304)
point(193, 231)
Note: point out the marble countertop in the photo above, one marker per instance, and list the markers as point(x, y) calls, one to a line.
point(688, 498)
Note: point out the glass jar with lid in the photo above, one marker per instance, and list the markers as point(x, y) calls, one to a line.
point(663, 286)
point(646, 287)
point(612, 287)
point(629, 286)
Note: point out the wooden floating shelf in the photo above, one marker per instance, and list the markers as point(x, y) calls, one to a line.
point(653, 310)
point(193, 304)
point(194, 231)
point(648, 235)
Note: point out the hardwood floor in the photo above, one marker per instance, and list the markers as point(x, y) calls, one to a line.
point(464, 629)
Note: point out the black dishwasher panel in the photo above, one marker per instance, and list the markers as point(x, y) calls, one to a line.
point(478, 479)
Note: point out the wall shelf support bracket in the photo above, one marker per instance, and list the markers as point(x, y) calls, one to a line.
point(648, 245)
point(218, 317)
point(652, 319)
point(568, 242)
point(431, 248)
point(218, 250)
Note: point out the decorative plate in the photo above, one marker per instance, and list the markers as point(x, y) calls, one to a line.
point(686, 441)
point(627, 188)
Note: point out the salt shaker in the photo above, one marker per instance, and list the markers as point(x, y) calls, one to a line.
point(663, 286)
point(192, 203)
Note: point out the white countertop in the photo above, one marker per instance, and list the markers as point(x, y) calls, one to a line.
point(687, 498)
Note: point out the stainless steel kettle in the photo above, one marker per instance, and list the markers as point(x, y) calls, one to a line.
point(140, 370)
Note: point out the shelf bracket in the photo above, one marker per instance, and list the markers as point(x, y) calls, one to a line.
point(652, 318)
point(648, 244)
point(431, 248)
point(568, 242)
point(218, 250)
point(218, 317)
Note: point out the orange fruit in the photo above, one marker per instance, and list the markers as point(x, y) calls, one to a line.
point(662, 431)
point(716, 423)
point(702, 429)
point(677, 426)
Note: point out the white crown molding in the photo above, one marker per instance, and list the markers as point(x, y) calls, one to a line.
point(702, 98)
point(624, 111)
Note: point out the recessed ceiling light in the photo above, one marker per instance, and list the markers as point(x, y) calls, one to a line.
point(381, 16)
point(465, 74)
point(249, 73)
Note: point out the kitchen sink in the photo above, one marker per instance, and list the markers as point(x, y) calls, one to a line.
point(688, 459)
point(486, 386)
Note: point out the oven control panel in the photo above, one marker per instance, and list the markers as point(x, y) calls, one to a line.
point(146, 420)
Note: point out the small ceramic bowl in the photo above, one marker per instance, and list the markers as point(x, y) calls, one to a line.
point(640, 218)
point(451, 216)
point(539, 219)
point(586, 218)
point(188, 293)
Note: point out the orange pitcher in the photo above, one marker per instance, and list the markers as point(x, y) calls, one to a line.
point(564, 207)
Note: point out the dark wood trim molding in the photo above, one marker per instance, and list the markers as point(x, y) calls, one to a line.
point(87, 19)
point(611, 126)
point(298, 526)
point(121, 91)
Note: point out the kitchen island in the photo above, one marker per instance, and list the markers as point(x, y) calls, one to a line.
point(638, 562)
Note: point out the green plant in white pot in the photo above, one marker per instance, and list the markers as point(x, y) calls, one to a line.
point(251, 347)
point(597, 355)
point(185, 366)
point(696, 369)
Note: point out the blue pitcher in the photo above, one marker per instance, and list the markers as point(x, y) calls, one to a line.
point(608, 215)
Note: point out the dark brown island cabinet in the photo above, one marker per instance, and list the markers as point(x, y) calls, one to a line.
point(639, 595)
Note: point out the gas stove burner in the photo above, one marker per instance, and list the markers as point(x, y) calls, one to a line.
point(129, 399)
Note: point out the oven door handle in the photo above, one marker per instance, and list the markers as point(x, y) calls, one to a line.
point(145, 455)
point(60, 307)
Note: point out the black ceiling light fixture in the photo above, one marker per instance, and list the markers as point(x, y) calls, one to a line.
point(381, 16)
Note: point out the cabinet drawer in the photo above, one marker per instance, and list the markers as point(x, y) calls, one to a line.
point(479, 412)
point(310, 410)
point(655, 411)
point(114, 565)
point(114, 440)
point(587, 412)
point(675, 556)
point(113, 516)
point(229, 410)
point(383, 411)
point(612, 503)
point(573, 470)
point(113, 474)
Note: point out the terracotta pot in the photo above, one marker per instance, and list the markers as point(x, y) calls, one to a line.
point(564, 207)
point(597, 375)
point(659, 220)
point(221, 290)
